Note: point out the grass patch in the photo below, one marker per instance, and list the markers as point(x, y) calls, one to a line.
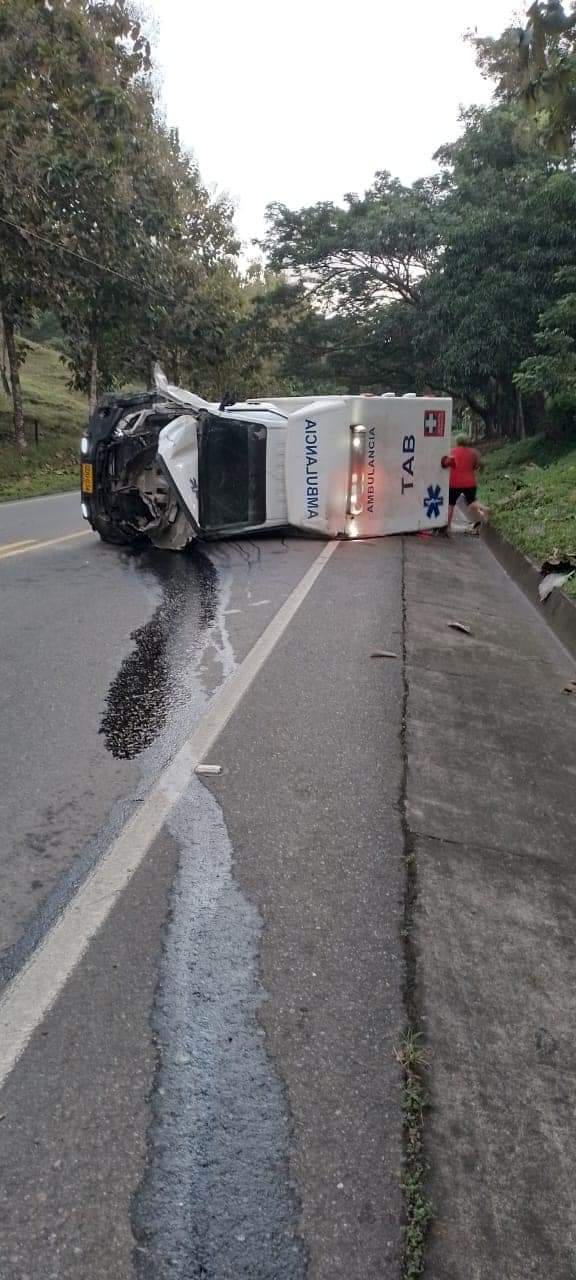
point(410, 1055)
point(51, 465)
point(530, 488)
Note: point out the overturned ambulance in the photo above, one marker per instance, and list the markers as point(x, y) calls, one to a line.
point(168, 467)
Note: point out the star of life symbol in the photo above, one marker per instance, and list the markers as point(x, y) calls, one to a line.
point(433, 501)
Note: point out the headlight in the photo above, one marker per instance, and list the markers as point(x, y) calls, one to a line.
point(85, 445)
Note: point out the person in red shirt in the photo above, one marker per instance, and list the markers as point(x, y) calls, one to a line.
point(465, 463)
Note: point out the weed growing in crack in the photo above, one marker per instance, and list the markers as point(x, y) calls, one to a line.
point(410, 1053)
point(411, 1056)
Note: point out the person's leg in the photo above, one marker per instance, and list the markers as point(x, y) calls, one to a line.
point(453, 496)
point(479, 511)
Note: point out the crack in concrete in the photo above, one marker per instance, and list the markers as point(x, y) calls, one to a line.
point(417, 1209)
point(407, 833)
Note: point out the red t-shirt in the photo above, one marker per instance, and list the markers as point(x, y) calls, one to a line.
point(462, 471)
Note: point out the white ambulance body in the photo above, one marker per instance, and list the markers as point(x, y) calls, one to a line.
point(334, 466)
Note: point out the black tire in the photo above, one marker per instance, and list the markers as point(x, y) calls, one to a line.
point(111, 533)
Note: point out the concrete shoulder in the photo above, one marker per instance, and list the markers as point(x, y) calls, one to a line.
point(491, 741)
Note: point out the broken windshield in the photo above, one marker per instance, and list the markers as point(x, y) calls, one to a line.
point(231, 472)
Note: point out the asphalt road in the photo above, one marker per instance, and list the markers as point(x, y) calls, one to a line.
point(205, 976)
point(246, 1122)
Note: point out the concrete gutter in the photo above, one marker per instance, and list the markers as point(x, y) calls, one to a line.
point(559, 610)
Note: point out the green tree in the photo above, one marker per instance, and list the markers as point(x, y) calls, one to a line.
point(509, 228)
point(25, 122)
point(105, 216)
point(551, 371)
point(194, 300)
point(107, 203)
point(70, 73)
point(536, 66)
point(342, 353)
point(374, 249)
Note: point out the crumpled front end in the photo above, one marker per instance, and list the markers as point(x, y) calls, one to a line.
point(126, 495)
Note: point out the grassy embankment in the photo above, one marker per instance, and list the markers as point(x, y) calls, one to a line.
point(52, 465)
point(530, 488)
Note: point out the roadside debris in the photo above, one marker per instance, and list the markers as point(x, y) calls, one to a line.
point(211, 770)
point(553, 580)
point(558, 563)
point(571, 686)
point(460, 626)
point(383, 653)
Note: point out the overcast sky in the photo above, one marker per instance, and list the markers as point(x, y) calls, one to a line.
point(304, 100)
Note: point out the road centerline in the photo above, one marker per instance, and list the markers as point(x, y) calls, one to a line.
point(33, 991)
point(20, 549)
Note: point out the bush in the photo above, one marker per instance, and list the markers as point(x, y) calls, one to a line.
point(561, 414)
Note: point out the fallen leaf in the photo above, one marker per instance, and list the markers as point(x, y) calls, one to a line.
point(460, 626)
point(383, 653)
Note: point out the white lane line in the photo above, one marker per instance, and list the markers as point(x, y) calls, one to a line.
point(31, 994)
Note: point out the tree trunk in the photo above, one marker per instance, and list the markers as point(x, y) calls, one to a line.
point(492, 421)
point(520, 415)
point(16, 385)
point(93, 385)
point(5, 382)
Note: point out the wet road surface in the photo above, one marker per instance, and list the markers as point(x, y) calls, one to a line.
point(148, 1128)
point(212, 1088)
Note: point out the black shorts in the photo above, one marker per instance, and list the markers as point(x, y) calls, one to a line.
point(468, 494)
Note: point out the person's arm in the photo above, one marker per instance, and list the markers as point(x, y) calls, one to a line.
point(478, 463)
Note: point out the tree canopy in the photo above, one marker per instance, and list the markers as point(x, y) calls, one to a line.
point(462, 282)
point(104, 218)
point(456, 282)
